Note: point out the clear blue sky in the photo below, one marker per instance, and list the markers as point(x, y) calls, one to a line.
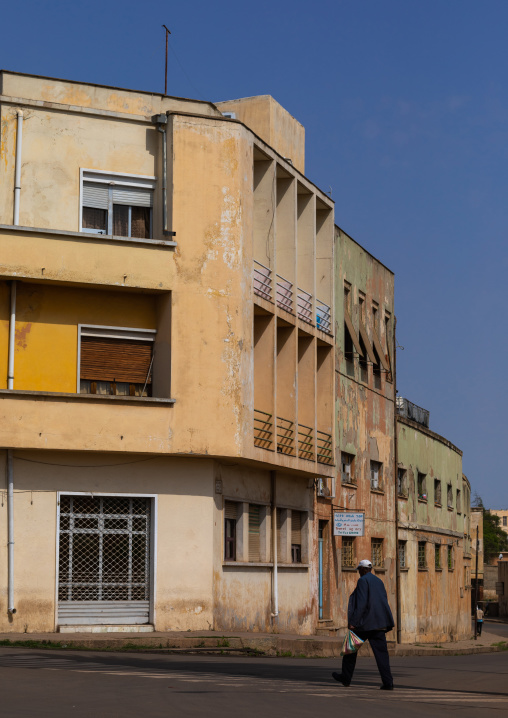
point(406, 113)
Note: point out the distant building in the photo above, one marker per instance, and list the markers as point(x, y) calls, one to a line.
point(433, 532)
point(503, 516)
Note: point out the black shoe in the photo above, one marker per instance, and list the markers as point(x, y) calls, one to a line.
point(384, 687)
point(338, 677)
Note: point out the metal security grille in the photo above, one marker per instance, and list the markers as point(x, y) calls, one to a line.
point(104, 559)
point(348, 559)
point(377, 552)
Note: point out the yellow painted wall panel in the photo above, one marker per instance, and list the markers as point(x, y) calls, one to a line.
point(47, 321)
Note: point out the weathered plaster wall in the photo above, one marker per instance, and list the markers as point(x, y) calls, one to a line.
point(272, 123)
point(185, 547)
point(435, 601)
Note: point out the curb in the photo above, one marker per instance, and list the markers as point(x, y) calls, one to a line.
point(268, 646)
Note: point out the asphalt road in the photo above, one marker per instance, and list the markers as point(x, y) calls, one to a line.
point(500, 629)
point(105, 685)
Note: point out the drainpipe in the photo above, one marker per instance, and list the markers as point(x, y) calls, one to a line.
point(12, 331)
point(10, 533)
point(396, 470)
point(17, 171)
point(162, 121)
point(275, 584)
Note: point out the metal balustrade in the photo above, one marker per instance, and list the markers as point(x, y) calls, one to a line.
point(305, 442)
point(262, 281)
point(284, 294)
point(263, 429)
point(304, 306)
point(285, 436)
point(323, 317)
point(324, 451)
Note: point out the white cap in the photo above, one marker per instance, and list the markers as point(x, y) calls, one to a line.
point(364, 564)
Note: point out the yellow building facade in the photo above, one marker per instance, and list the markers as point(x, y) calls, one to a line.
point(166, 361)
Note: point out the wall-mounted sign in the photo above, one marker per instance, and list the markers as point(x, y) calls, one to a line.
point(346, 523)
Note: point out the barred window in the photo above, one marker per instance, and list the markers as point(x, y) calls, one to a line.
point(377, 552)
point(402, 554)
point(437, 556)
point(437, 492)
point(422, 558)
point(450, 558)
point(348, 557)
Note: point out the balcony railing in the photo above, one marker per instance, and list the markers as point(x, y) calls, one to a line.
point(262, 281)
point(285, 436)
point(304, 306)
point(324, 451)
point(284, 292)
point(323, 317)
point(305, 442)
point(263, 429)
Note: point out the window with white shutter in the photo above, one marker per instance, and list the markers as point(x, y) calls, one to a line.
point(119, 205)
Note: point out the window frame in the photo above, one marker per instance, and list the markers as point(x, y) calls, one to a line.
point(125, 179)
point(379, 542)
point(422, 556)
point(108, 332)
point(349, 542)
point(438, 566)
point(402, 554)
point(402, 492)
point(351, 479)
point(422, 495)
point(379, 486)
point(438, 485)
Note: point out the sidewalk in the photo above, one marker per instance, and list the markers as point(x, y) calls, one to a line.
point(267, 644)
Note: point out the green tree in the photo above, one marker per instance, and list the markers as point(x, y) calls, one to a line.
point(495, 539)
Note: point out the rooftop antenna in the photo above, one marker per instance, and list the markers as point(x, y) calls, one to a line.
point(168, 32)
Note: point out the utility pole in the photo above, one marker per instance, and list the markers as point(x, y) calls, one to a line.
point(476, 587)
point(166, 67)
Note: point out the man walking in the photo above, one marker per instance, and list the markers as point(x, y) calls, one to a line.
point(370, 617)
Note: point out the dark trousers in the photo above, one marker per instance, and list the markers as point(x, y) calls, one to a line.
point(377, 640)
point(479, 626)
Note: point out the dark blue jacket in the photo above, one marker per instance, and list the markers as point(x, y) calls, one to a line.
point(368, 608)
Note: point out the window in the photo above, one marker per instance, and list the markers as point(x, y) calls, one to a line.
point(347, 468)
point(422, 558)
point(450, 558)
point(437, 557)
point(115, 361)
point(376, 475)
point(377, 552)
point(348, 552)
point(118, 205)
point(254, 533)
point(282, 523)
point(296, 536)
point(351, 341)
point(230, 519)
point(505, 520)
point(402, 554)
point(458, 501)
point(402, 482)
point(422, 487)
point(388, 338)
point(450, 496)
point(437, 492)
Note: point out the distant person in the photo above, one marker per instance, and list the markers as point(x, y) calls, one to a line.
point(479, 620)
point(370, 617)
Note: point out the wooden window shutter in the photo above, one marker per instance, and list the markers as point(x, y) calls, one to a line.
point(254, 532)
point(281, 550)
point(296, 528)
point(230, 510)
point(122, 360)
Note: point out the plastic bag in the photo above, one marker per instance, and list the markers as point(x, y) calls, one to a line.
point(351, 643)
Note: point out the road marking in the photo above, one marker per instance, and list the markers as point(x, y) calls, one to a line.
point(266, 685)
